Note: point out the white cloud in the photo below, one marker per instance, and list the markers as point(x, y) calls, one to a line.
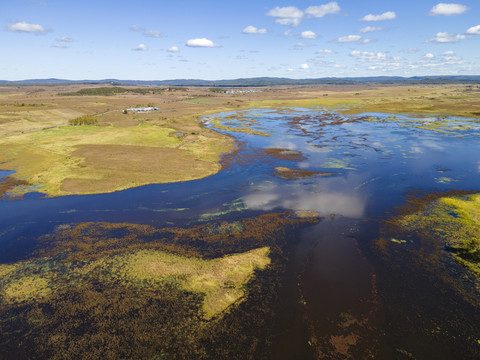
point(253, 30)
point(444, 37)
point(428, 56)
point(368, 56)
point(289, 15)
point(325, 51)
point(300, 44)
point(411, 50)
point(60, 46)
point(202, 42)
point(353, 38)
point(153, 33)
point(322, 10)
point(389, 15)
point(64, 39)
point(447, 9)
point(173, 49)
point(308, 34)
point(474, 30)
point(368, 29)
point(304, 67)
point(140, 47)
point(349, 38)
point(23, 26)
point(448, 53)
point(136, 28)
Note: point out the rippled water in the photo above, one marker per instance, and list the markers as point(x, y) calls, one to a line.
point(341, 297)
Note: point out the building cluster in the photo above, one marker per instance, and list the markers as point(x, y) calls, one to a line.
point(143, 109)
point(241, 91)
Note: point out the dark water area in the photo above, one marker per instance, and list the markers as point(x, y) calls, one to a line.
point(341, 298)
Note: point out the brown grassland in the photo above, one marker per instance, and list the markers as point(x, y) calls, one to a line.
point(129, 150)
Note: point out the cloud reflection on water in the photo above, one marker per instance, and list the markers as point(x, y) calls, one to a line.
point(299, 197)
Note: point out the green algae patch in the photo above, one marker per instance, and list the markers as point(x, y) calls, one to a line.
point(337, 164)
point(453, 220)
point(220, 280)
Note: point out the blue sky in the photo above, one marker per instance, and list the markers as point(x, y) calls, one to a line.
point(157, 39)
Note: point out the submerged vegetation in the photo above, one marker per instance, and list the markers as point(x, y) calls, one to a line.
point(455, 221)
point(105, 290)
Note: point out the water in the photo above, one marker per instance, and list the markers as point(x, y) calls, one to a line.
point(341, 298)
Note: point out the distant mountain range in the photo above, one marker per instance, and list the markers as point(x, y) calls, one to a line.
point(261, 81)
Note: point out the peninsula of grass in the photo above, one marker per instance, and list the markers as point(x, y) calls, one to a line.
point(97, 159)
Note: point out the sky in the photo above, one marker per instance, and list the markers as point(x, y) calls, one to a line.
point(212, 40)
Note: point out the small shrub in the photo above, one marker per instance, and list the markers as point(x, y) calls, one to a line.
point(84, 120)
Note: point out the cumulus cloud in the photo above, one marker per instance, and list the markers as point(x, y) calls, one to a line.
point(140, 47)
point(353, 38)
point(325, 51)
point(349, 38)
point(253, 30)
point(202, 42)
point(292, 16)
point(24, 27)
point(153, 33)
point(304, 67)
point(308, 34)
point(448, 53)
point(368, 29)
point(444, 37)
point(447, 9)
point(288, 15)
point(368, 56)
point(389, 15)
point(474, 30)
point(322, 10)
point(428, 56)
point(64, 39)
point(173, 49)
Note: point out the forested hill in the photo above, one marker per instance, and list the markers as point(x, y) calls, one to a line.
point(261, 81)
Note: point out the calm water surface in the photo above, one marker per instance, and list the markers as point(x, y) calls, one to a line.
point(342, 297)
